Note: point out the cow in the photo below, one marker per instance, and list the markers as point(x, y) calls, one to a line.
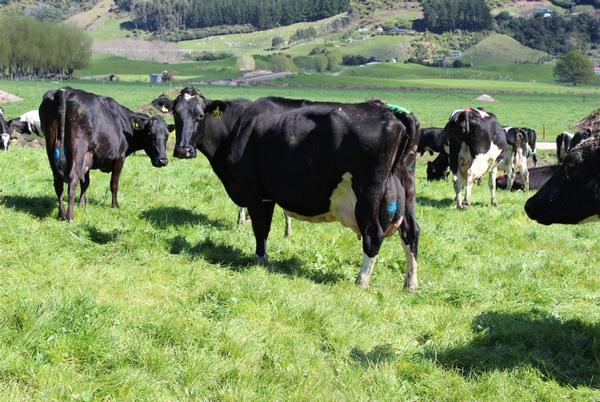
point(5, 132)
point(515, 156)
point(531, 143)
point(432, 140)
point(563, 144)
point(537, 177)
point(476, 142)
point(160, 102)
point(572, 195)
point(579, 137)
point(438, 168)
point(321, 162)
point(28, 123)
point(85, 131)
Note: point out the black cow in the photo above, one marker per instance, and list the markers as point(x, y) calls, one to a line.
point(531, 142)
point(432, 140)
point(579, 137)
point(84, 131)
point(572, 195)
point(5, 132)
point(515, 156)
point(321, 162)
point(476, 142)
point(537, 177)
point(563, 144)
point(438, 169)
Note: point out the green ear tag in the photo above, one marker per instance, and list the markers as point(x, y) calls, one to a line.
point(216, 113)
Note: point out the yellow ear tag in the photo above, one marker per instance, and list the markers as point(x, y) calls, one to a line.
point(164, 109)
point(216, 113)
point(136, 124)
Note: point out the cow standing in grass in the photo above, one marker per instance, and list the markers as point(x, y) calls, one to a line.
point(5, 132)
point(321, 162)
point(515, 156)
point(476, 142)
point(84, 131)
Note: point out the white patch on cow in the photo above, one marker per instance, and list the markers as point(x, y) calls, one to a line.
point(471, 169)
point(447, 149)
point(341, 206)
point(187, 97)
point(410, 279)
point(568, 133)
point(5, 140)
point(32, 118)
point(506, 129)
point(2, 112)
point(288, 226)
point(455, 113)
point(483, 114)
point(590, 219)
point(364, 276)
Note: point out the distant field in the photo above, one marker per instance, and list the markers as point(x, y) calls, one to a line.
point(500, 49)
point(557, 112)
point(131, 70)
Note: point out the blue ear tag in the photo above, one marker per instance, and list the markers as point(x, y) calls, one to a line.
point(57, 154)
point(392, 207)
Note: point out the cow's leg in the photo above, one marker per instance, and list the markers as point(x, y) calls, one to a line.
point(114, 181)
point(458, 186)
point(469, 189)
point(372, 235)
point(241, 216)
point(410, 232)
point(492, 183)
point(85, 180)
point(59, 188)
point(84, 183)
point(261, 216)
point(288, 226)
point(525, 173)
point(72, 190)
point(534, 157)
point(510, 174)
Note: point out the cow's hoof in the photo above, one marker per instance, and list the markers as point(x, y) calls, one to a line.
point(262, 260)
point(362, 282)
point(82, 202)
point(411, 286)
point(494, 204)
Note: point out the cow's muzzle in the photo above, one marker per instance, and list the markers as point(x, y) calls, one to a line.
point(160, 162)
point(186, 152)
point(535, 211)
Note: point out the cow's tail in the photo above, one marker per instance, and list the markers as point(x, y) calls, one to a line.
point(59, 149)
point(409, 142)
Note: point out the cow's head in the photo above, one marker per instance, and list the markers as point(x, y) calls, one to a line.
point(435, 171)
point(572, 194)
point(153, 134)
point(189, 110)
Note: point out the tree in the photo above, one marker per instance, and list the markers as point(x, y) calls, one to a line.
point(277, 41)
point(574, 67)
point(321, 63)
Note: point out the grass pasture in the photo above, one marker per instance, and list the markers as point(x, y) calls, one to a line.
point(161, 299)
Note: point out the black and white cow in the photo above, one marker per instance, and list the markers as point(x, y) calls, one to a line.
point(438, 169)
point(563, 144)
point(432, 140)
point(28, 123)
point(476, 141)
point(538, 176)
point(5, 132)
point(85, 131)
point(572, 195)
point(531, 142)
point(515, 156)
point(321, 162)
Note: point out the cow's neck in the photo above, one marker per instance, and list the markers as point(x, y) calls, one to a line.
point(216, 132)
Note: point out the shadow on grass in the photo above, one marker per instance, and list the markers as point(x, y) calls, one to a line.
point(385, 353)
point(164, 217)
point(100, 237)
point(565, 351)
point(431, 202)
point(40, 207)
point(236, 260)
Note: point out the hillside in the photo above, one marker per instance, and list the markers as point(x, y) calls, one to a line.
point(501, 49)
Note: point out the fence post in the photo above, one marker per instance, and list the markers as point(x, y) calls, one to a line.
point(544, 131)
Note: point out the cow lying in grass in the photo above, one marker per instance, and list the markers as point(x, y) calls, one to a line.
point(321, 162)
point(538, 176)
point(572, 194)
point(84, 131)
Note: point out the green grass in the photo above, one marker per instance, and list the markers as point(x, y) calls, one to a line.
point(501, 49)
point(138, 70)
point(161, 300)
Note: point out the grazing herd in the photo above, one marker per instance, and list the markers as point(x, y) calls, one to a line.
point(319, 161)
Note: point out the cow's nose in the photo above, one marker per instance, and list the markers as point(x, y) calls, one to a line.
point(163, 161)
point(185, 152)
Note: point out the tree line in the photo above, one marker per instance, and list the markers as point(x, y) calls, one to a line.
point(448, 15)
point(262, 14)
point(34, 49)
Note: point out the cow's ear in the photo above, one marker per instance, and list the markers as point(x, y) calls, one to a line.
point(163, 104)
point(138, 123)
point(215, 108)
